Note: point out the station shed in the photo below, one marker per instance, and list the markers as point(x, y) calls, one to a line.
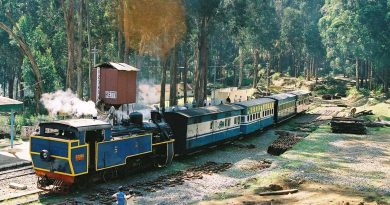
point(11, 106)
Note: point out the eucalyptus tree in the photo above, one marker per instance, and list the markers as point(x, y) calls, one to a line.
point(292, 36)
point(204, 13)
point(10, 11)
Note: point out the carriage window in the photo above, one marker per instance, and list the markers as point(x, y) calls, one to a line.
point(211, 125)
point(58, 133)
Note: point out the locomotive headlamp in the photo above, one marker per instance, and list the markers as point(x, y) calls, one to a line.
point(45, 155)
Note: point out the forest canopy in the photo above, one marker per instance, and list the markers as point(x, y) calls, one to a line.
point(52, 45)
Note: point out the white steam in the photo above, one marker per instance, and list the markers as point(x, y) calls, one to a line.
point(149, 92)
point(68, 103)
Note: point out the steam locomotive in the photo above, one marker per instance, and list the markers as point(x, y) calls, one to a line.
point(68, 152)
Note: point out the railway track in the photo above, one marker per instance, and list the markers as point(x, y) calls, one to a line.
point(14, 173)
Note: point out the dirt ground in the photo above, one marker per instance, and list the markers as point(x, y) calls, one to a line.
point(326, 168)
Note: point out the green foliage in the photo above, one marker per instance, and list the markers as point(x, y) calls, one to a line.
point(331, 86)
point(27, 119)
point(353, 92)
point(276, 76)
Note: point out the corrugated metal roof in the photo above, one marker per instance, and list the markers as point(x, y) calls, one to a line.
point(119, 66)
point(8, 104)
point(299, 92)
point(80, 124)
point(253, 102)
point(208, 110)
point(281, 96)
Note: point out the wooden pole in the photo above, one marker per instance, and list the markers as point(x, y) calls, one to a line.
point(12, 128)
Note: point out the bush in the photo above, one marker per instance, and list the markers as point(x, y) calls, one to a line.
point(276, 76)
point(27, 119)
point(353, 92)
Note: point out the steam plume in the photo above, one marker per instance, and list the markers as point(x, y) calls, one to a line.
point(68, 103)
point(149, 93)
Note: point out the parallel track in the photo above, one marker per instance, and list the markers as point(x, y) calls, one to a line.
point(9, 174)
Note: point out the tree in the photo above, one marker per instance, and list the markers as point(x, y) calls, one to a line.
point(203, 12)
point(18, 37)
point(68, 10)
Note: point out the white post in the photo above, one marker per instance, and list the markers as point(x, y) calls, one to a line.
point(12, 128)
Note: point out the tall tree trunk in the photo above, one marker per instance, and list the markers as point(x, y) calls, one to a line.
point(79, 49)
point(385, 80)
point(202, 74)
point(196, 72)
point(367, 73)
point(38, 89)
point(311, 67)
point(362, 65)
point(173, 84)
point(126, 55)
point(164, 66)
point(185, 70)
point(268, 78)
point(89, 48)
point(255, 67)
point(11, 82)
point(370, 76)
point(357, 72)
point(21, 88)
point(69, 25)
point(241, 68)
point(4, 86)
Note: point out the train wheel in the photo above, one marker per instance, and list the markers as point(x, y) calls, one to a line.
point(83, 182)
point(110, 174)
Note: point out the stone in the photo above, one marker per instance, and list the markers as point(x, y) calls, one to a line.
point(17, 186)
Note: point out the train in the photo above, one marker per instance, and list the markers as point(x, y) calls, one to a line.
point(74, 152)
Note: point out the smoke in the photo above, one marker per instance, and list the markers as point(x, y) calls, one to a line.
point(124, 110)
point(149, 92)
point(68, 103)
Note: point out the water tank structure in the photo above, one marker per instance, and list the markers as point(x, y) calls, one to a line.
point(114, 84)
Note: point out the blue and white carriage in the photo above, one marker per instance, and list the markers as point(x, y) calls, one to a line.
point(257, 114)
point(198, 127)
point(284, 106)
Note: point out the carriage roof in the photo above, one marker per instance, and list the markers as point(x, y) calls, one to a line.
point(281, 96)
point(208, 110)
point(299, 92)
point(254, 102)
point(78, 124)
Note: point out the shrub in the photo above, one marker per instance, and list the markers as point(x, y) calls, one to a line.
point(276, 76)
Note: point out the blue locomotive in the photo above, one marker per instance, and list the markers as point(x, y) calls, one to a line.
point(76, 151)
point(71, 151)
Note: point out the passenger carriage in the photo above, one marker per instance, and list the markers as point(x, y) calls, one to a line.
point(198, 127)
point(284, 106)
point(257, 114)
point(302, 100)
